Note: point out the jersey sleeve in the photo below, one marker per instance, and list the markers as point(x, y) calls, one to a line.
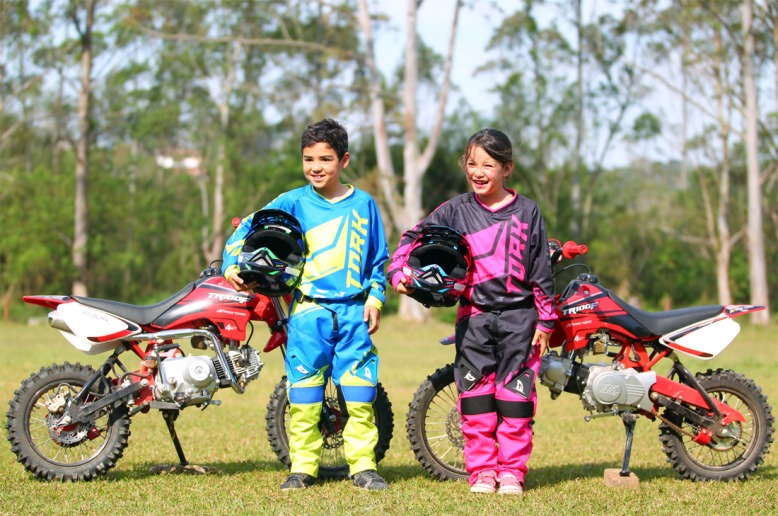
point(540, 277)
point(235, 243)
point(377, 255)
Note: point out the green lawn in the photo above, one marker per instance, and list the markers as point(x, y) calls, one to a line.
point(566, 467)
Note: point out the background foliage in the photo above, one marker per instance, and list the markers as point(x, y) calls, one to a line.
point(233, 83)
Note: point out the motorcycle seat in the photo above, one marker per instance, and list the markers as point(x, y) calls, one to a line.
point(141, 315)
point(660, 323)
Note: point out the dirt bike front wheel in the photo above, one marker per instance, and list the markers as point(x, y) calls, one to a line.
point(50, 446)
point(333, 459)
point(734, 457)
point(434, 427)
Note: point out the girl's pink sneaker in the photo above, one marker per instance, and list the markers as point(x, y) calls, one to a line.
point(485, 483)
point(510, 485)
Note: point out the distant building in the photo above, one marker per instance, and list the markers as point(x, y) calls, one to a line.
point(179, 160)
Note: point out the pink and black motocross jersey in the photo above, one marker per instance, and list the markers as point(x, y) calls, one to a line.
point(511, 262)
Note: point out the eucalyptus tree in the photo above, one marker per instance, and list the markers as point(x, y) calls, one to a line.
point(57, 42)
point(570, 93)
point(717, 64)
point(253, 65)
point(757, 267)
point(405, 210)
point(537, 103)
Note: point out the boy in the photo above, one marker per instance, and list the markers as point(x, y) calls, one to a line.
point(335, 308)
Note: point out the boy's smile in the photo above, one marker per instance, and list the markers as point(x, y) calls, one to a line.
point(322, 167)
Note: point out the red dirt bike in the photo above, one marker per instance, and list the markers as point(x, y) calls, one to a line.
point(72, 422)
point(715, 425)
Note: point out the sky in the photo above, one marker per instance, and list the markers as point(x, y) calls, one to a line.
point(434, 22)
point(475, 28)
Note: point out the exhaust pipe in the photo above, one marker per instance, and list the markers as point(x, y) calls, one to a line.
point(56, 322)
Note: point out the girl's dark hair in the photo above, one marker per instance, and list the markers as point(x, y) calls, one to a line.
point(495, 143)
point(326, 131)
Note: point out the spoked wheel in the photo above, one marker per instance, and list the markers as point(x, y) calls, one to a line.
point(434, 426)
point(333, 459)
point(733, 456)
point(47, 443)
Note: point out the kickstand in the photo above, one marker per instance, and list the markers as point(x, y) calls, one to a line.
point(170, 418)
point(629, 425)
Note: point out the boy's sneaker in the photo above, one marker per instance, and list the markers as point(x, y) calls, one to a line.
point(298, 481)
point(510, 485)
point(370, 480)
point(485, 483)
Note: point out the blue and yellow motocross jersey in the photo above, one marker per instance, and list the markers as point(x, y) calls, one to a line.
point(346, 246)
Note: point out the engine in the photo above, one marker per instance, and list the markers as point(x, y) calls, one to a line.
point(193, 380)
point(608, 389)
point(602, 388)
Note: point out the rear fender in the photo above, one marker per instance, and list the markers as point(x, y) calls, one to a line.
point(733, 311)
point(51, 302)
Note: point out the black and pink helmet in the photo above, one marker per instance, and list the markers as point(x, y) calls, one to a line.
point(438, 266)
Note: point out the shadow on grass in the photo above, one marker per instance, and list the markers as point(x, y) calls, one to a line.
point(145, 469)
point(553, 475)
point(559, 474)
point(541, 476)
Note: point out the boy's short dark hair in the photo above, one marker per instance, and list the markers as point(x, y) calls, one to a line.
point(326, 131)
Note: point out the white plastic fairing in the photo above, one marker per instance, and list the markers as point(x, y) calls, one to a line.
point(90, 348)
point(96, 331)
point(703, 340)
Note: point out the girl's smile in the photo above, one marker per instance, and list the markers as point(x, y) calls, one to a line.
point(487, 176)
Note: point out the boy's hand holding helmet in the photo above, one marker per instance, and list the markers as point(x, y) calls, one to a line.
point(273, 255)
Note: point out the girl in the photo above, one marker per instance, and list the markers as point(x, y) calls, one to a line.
point(505, 315)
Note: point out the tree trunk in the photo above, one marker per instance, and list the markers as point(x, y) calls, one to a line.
point(723, 249)
point(683, 180)
point(415, 163)
point(213, 241)
point(81, 215)
point(575, 189)
point(386, 172)
point(756, 256)
point(410, 309)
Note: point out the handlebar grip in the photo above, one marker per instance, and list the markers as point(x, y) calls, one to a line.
point(570, 249)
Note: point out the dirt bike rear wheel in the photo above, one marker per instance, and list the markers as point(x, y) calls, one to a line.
point(333, 460)
point(434, 427)
point(731, 458)
point(52, 450)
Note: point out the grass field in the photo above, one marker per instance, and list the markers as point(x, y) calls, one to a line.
point(566, 467)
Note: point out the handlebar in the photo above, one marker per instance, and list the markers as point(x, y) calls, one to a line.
point(570, 249)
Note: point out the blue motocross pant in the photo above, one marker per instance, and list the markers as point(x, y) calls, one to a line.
point(330, 340)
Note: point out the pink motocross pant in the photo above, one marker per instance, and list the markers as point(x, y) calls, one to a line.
point(496, 368)
point(513, 435)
